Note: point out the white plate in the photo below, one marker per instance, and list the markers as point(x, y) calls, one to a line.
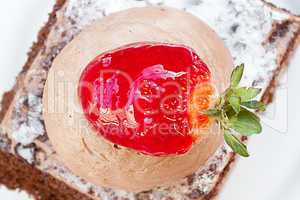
point(271, 173)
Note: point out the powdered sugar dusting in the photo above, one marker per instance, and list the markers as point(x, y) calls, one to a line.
point(242, 24)
point(86, 11)
point(28, 109)
point(26, 153)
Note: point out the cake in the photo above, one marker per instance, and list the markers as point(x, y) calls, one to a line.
point(28, 160)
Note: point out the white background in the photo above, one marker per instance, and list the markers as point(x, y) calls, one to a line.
point(273, 170)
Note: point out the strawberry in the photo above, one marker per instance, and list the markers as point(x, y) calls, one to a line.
point(147, 97)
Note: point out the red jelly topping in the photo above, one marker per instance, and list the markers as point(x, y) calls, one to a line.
point(147, 96)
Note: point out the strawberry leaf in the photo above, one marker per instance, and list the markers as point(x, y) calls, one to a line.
point(258, 105)
point(235, 103)
point(246, 123)
point(247, 94)
point(236, 75)
point(231, 112)
point(235, 144)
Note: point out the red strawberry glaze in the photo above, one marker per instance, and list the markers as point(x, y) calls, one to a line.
point(147, 96)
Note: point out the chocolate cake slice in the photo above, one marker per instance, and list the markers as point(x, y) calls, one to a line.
point(257, 34)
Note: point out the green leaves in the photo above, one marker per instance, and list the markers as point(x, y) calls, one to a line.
point(255, 105)
point(235, 103)
point(235, 144)
point(246, 94)
point(246, 123)
point(232, 111)
point(236, 75)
